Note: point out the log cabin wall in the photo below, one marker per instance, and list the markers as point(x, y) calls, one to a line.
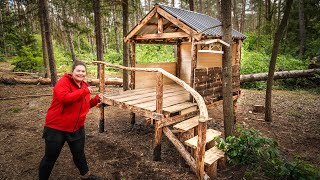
point(208, 75)
point(205, 60)
point(148, 79)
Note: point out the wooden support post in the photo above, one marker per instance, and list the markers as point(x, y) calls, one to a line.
point(101, 90)
point(202, 130)
point(132, 76)
point(193, 64)
point(178, 66)
point(158, 129)
point(133, 64)
point(160, 23)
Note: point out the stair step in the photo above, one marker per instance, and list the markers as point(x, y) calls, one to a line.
point(212, 155)
point(187, 124)
point(179, 107)
point(211, 134)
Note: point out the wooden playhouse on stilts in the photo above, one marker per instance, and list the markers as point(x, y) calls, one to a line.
point(175, 96)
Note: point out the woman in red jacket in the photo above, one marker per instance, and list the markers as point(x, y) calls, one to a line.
point(65, 121)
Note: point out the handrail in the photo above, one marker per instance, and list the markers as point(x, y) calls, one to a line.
point(195, 94)
point(199, 166)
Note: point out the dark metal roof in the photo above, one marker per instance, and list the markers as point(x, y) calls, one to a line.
point(200, 22)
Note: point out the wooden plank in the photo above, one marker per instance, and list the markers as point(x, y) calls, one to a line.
point(138, 110)
point(139, 100)
point(147, 80)
point(187, 124)
point(162, 36)
point(138, 91)
point(212, 155)
point(172, 120)
point(211, 134)
point(190, 109)
point(169, 101)
point(179, 107)
point(144, 94)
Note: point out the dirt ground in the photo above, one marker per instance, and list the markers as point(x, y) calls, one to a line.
point(125, 151)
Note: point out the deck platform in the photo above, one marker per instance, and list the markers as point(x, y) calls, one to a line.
point(175, 99)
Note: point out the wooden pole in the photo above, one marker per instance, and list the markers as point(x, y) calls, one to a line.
point(202, 130)
point(193, 64)
point(101, 90)
point(132, 76)
point(158, 129)
point(178, 67)
point(133, 64)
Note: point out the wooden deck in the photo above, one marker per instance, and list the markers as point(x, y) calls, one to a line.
point(175, 99)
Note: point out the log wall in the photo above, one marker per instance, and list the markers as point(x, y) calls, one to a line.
point(204, 59)
point(208, 82)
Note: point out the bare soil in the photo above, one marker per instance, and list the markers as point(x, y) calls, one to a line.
point(125, 151)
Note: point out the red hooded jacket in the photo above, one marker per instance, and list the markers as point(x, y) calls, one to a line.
point(70, 105)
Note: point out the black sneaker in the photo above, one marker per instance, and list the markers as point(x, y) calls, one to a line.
point(92, 177)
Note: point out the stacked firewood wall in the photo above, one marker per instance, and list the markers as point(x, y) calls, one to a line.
point(208, 82)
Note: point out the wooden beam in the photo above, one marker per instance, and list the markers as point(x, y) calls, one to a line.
point(162, 36)
point(167, 25)
point(133, 64)
point(211, 41)
point(211, 51)
point(178, 23)
point(178, 52)
point(158, 129)
point(193, 64)
point(160, 23)
point(141, 24)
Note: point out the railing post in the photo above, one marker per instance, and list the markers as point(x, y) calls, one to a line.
point(101, 90)
point(202, 130)
point(158, 130)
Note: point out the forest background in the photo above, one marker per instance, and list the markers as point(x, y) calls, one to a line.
point(72, 29)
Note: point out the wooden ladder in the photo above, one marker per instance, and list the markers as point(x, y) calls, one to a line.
point(186, 132)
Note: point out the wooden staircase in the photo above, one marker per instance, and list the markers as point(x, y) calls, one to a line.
point(184, 123)
point(186, 133)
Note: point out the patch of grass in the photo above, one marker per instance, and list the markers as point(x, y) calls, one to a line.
point(15, 109)
point(294, 113)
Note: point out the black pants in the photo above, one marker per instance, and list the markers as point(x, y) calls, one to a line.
point(54, 141)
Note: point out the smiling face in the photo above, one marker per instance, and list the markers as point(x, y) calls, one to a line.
point(79, 73)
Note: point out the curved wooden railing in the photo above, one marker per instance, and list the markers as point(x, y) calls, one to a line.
point(202, 127)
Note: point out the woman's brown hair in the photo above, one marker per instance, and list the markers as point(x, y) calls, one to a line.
point(77, 63)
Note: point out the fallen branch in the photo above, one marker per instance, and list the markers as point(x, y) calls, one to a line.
point(26, 96)
point(279, 75)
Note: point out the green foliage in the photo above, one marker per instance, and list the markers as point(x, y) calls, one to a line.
point(29, 57)
point(248, 147)
point(154, 53)
point(113, 57)
point(261, 156)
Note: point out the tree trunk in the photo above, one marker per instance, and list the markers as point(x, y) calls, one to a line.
point(53, 71)
point(219, 9)
point(99, 45)
point(275, 49)
point(235, 15)
point(243, 14)
point(227, 68)
point(44, 45)
point(279, 75)
point(191, 5)
point(116, 24)
point(200, 6)
point(125, 45)
point(302, 29)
